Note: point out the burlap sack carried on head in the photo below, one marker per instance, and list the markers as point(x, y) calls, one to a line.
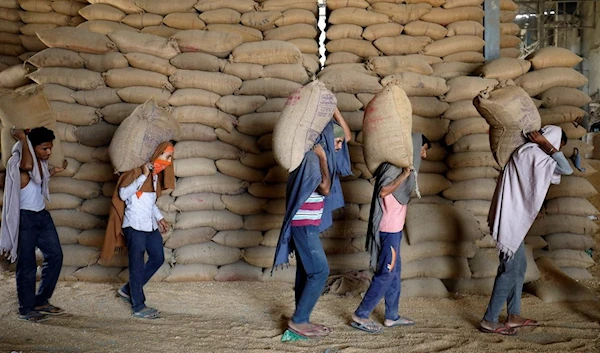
point(26, 110)
point(510, 112)
point(138, 136)
point(387, 128)
point(305, 115)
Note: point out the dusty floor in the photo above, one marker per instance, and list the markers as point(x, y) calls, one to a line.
point(250, 317)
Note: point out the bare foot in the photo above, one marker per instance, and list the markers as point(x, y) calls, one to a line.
point(307, 329)
point(515, 321)
point(491, 325)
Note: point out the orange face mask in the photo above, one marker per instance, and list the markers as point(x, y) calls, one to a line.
point(160, 165)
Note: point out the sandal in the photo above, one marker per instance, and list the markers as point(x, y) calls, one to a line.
point(504, 330)
point(527, 322)
point(147, 313)
point(34, 316)
point(400, 321)
point(369, 327)
point(326, 330)
point(313, 332)
point(49, 309)
point(121, 294)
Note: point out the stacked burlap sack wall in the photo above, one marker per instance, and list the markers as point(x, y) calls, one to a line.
point(225, 88)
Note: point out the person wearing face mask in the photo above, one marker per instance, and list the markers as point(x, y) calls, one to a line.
point(135, 222)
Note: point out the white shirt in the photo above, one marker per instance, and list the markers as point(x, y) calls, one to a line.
point(140, 213)
point(31, 198)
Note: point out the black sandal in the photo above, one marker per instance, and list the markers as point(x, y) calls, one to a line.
point(34, 316)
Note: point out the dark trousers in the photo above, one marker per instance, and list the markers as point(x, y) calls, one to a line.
point(36, 229)
point(508, 285)
point(386, 281)
point(311, 271)
point(138, 243)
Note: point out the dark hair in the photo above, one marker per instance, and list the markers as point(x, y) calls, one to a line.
point(563, 137)
point(425, 141)
point(40, 135)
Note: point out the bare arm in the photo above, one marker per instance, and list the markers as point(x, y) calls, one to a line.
point(325, 185)
point(394, 185)
point(26, 157)
point(337, 115)
point(545, 145)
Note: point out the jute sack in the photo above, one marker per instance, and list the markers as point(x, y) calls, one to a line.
point(96, 135)
point(218, 220)
point(164, 8)
point(284, 5)
point(432, 184)
point(26, 110)
point(79, 256)
point(78, 40)
point(434, 167)
point(373, 32)
point(195, 114)
point(104, 62)
point(472, 57)
point(389, 65)
point(444, 223)
point(360, 47)
point(192, 273)
point(468, 28)
point(472, 143)
point(272, 191)
point(402, 44)
point(223, 15)
point(116, 113)
point(453, 45)
point(140, 94)
point(357, 16)
point(416, 85)
point(576, 206)
point(242, 6)
point(294, 31)
point(76, 219)
point(387, 129)
point(198, 61)
point(95, 171)
point(476, 207)
point(452, 69)
point(538, 81)
point(433, 128)
point(262, 21)
point(343, 58)
point(65, 132)
point(510, 28)
point(76, 114)
point(276, 174)
point(551, 224)
point(102, 12)
point(559, 241)
point(584, 149)
point(239, 271)
point(264, 160)
point(474, 189)
point(510, 112)
point(14, 77)
point(462, 88)
point(355, 67)
point(428, 107)
point(161, 31)
point(80, 188)
point(194, 96)
point(557, 96)
point(347, 229)
point(553, 57)
point(351, 82)
point(212, 150)
point(57, 57)
point(132, 42)
point(452, 4)
point(338, 4)
point(444, 17)
point(236, 169)
point(402, 13)
point(442, 267)
point(184, 21)
point(263, 222)
point(150, 63)
point(206, 253)
point(218, 183)
point(504, 68)
point(98, 98)
point(219, 44)
point(79, 152)
point(461, 110)
point(260, 256)
point(348, 102)
point(266, 53)
point(573, 130)
point(276, 207)
point(346, 31)
point(243, 142)
point(199, 202)
point(105, 27)
point(72, 78)
point(121, 78)
point(465, 127)
point(572, 186)
point(422, 28)
point(291, 72)
point(510, 53)
point(358, 191)
point(63, 201)
point(257, 124)
point(268, 87)
point(99, 206)
point(306, 113)
point(67, 235)
point(243, 204)
point(244, 71)
point(216, 82)
point(138, 136)
point(182, 237)
point(556, 286)
point(576, 273)
point(248, 34)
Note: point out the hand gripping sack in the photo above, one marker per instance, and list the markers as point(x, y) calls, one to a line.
point(139, 135)
point(510, 112)
point(306, 113)
point(387, 128)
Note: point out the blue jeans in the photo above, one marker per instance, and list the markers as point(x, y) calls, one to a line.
point(311, 271)
point(386, 281)
point(36, 229)
point(138, 243)
point(508, 286)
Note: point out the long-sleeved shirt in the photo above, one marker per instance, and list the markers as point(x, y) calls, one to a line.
point(140, 213)
point(563, 167)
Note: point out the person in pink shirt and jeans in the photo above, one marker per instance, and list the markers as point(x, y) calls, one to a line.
point(392, 191)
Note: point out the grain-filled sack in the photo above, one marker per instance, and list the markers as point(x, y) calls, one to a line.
point(504, 68)
point(557, 96)
point(306, 113)
point(266, 53)
point(510, 113)
point(444, 223)
point(454, 44)
point(219, 44)
point(553, 57)
point(26, 110)
point(77, 40)
point(416, 85)
point(138, 136)
point(389, 65)
point(72, 78)
point(538, 81)
point(132, 42)
point(422, 28)
point(402, 44)
point(387, 129)
point(462, 88)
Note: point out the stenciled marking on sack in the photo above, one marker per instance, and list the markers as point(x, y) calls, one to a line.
point(370, 124)
point(294, 97)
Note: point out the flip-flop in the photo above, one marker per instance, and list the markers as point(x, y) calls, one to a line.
point(49, 309)
point(147, 313)
point(401, 321)
point(124, 296)
point(324, 329)
point(527, 322)
point(369, 327)
point(504, 330)
point(34, 316)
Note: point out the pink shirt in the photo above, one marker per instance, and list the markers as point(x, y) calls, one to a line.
point(394, 215)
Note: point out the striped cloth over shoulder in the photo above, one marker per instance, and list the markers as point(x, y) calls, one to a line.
point(310, 212)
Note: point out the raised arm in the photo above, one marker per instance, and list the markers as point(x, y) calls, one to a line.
point(325, 185)
point(26, 157)
point(394, 185)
